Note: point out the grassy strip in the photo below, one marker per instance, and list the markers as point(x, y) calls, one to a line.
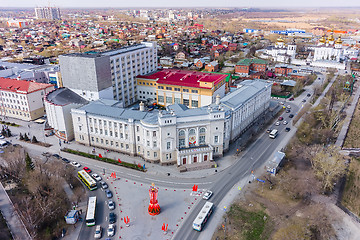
point(351, 195)
point(252, 223)
point(10, 124)
point(108, 160)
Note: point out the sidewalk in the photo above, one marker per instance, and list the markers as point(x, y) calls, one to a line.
point(17, 227)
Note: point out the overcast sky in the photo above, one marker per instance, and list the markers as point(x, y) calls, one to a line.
point(179, 3)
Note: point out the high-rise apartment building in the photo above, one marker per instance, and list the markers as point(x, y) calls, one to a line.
point(109, 75)
point(51, 13)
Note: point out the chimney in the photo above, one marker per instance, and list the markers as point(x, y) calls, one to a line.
point(142, 106)
point(217, 100)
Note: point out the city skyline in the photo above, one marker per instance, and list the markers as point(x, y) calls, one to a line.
point(185, 3)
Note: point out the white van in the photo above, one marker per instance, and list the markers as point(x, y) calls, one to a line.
point(273, 133)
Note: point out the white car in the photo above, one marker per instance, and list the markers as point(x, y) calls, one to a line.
point(76, 164)
point(288, 106)
point(285, 122)
point(1, 136)
point(281, 103)
point(96, 177)
point(111, 230)
point(111, 204)
point(98, 231)
point(207, 195)
point(277, 124)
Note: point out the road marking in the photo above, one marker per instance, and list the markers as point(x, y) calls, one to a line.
point(133, 175)
point(150, 179)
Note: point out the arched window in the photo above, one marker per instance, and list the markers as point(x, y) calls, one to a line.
point(192, 131)
point(181, 133)
point(202, 130)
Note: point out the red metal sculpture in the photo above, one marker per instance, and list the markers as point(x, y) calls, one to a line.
point(154, 208)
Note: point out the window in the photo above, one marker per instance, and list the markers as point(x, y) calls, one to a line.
point(79, 128)
point(102, 141)
point(182, 142)
point(137, 128)
point(148, 153)
point(168, 156)
point(116, 134)
point(216, 139)
point(201, 139)
point(177, 100)
point(121, 135)
point(181, 133)
point(161, 98)
point(127, 146)
point(126, 136)
point(168, 88)
point(91, 129)
point(160, 87)
point(186, 102)
point(192, 132)
point(177, 89)
point(154, 133)
point(107, 142)
point(168, 145)
point(122, 145)
point(106, 132)
point(110, 133)
point(194, 103)
point(138, 148)
point(138, 138)
point(202, 130)
point(155, 144)
point(155, 154)
point(148, 143)
point(194, 91)
point(101, 131)
point(78, 119)
point(169, 100)
point(96, 130)
point(185, 90)
point(116, 144)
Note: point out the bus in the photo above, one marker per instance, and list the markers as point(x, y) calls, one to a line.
point(203, 216)
point(87, 180)
point(90, 214)
point(273, 133)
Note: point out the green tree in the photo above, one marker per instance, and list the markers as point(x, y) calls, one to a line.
point(34, 140)
point(29, 163)
point(26, 138)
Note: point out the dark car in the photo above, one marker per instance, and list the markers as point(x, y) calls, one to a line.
point(287, 129)
point(291, 99)
point(288, 110)
point(56, 155)
point(112, 217)
point(281, 118)
point(291, 115)
point(66, 160)
point(269, 130)
point(304, 100)
point(308, 95)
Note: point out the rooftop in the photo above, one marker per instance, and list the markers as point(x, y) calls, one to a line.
point(248, 61)
point(184, 78)
point(64, 96)
point(22, 86)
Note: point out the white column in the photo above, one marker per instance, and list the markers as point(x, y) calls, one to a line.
point(187, 138)
point(197, 136)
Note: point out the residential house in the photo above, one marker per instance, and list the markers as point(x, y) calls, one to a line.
point(212, 66)
point(244, 66)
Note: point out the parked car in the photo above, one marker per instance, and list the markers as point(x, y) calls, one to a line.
point(111, 230)
point(281, 103)
point(288, 106)
point(98, 231)
point(304, 100)
point(285, 122)
point(287, 129)
point(308, 95)
point(207, 195)
point(1, 136)
point(111, 204)
point(108, 193)
point(277, 124)
point(75, 164)
point(56, 156)
point(288, 110)
point(88, 170)
point(291, 99)
point(96, 177)
point(66, 160)
point(268, 131)
point(112, 217)
point(281, 118)
point(291, 115)
point(104, 185)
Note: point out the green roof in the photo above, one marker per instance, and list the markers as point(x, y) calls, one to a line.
point(248, 61)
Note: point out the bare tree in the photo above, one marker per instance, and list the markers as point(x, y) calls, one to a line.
point(329, 165)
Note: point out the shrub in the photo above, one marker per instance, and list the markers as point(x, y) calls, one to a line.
point(108, 160)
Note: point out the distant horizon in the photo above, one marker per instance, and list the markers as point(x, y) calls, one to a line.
point(111, 4)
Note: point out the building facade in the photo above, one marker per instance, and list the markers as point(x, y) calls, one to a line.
point(178, 135)
point(245, 66)
point(109, 75)
point(22, 99)
point(51, 13)
point(58, 105)
point(191, 88)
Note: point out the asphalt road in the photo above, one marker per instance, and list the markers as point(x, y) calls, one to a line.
point(252, 159)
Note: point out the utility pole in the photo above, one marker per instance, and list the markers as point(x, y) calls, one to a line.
point(225, 228)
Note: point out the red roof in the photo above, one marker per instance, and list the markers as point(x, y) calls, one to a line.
point(21, 86)
point(184, 78)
